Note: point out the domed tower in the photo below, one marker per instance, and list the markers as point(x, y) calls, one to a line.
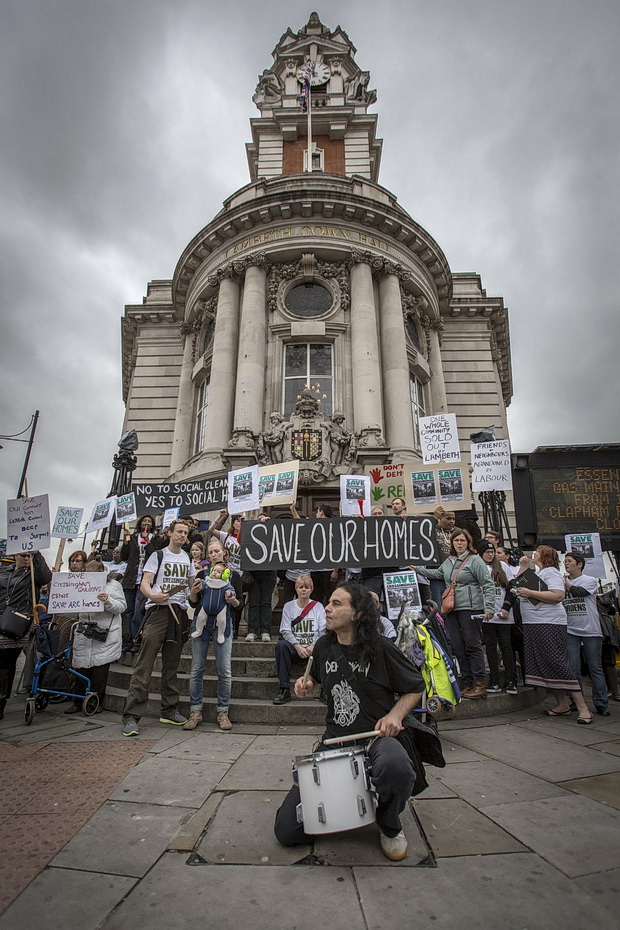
point(312, 318)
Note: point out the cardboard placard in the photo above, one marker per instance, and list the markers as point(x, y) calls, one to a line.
point(440, 439)
point(76, 592)
point(491, 466)
point(28, 524)
point(277, 484)
point(67, 522)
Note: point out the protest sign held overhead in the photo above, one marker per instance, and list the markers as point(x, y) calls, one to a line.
point(588, 546)
point(401, 588)
point(353, 489)
point(426, 489)
point(125, 509)
point(387, 482)
point(74, 592)
point(243, 489)
point(491, 466)
point(277, 484)
point(102, 514)
point(170, 515)
point(67, 522)
point(28, 524)
point(440, 439)
point(349, 542)
point(193, 496)
point(451, 488)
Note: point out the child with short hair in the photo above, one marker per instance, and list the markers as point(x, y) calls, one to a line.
point(217, 598)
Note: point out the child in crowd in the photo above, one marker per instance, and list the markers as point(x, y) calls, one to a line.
point(217, 598)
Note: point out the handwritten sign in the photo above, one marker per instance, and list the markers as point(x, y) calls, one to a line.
point(491, 466)
point(102, 514)
point(354, 488)
point(243, 489)
point(348, 542)
point(28, 524)
point(193, 496)
point(440, 439)
point(125, 508)
point(76, 592)
point(67, 522)
point(387, 482)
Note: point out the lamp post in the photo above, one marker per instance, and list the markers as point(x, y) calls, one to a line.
point(124, 464)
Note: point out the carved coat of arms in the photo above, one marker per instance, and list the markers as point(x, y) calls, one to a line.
point(306, 444)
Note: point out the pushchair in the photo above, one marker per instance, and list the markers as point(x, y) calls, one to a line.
point(422, 638)
point(53, 674)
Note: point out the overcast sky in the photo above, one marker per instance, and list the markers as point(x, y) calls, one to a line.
point(122, 129)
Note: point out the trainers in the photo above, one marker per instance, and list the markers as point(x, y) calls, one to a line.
point(223, 720)
point(284, 696)
point(250, 638)
point(266, 638)
point(511, 687)
point(494, 689)
point(177, 720)
point(130, 727)
point(393, 847)
point(195, 718)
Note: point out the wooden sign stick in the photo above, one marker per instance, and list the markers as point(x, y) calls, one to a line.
point(59, 554)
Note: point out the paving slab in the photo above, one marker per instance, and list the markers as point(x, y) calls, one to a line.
point(446, 727)
point(454, 828)
point(484, 783)
point(141, 834)
point(181, 782)
point(605, 887)
point(454, 753)
point(513, 892)
point(241, 896)
point(262, 772)
point(210, 747)
point(537, 753)
point(242, 832)
point(361, 847)
point(58, 899)
point(566, 728)
point(604, 788)
point(193, 828)
point(435, 788)
point(575, 834)
point(612, 747)
point(294, 745)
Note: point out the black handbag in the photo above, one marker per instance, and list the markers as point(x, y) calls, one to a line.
point(14, 624)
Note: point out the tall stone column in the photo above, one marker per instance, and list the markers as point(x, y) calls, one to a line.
point(221, 400)
point(438, 387)
point(182, 438)
point(250, 393)
point(398, 418)
point(367, 407)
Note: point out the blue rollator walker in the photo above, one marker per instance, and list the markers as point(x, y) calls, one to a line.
point(53, 667)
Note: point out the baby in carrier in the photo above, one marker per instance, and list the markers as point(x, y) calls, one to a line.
point(218, 594)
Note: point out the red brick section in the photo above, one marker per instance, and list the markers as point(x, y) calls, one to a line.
point(49, 791)
point(293, 156)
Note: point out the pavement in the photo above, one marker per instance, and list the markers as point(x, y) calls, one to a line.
point(520, 830)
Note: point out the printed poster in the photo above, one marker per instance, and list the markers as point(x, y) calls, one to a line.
point(277, 484)
point(423, 489)
point(451, 487)
point(440, 439)
point(170, 515)
point(125, 509)
point(243, 489)
point(67, 522)
point(401, 589)
point(353, 489)
point(102, 514)
point(587, 545)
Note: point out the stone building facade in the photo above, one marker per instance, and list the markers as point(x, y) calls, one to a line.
point(311, 306)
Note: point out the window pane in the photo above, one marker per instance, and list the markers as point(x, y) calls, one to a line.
point(308, 300)
point(292, 389)
point(296, 362)
point(321, 359)
point(417, 409)
point(201, 417)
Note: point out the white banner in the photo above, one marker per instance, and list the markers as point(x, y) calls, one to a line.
point(353, 489)
point(491, 466)
point(67, 522)
point(243, 489)
point(440, 438)
point(28, 524)
point(76, 592)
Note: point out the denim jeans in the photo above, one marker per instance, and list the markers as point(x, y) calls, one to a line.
point(223, 652)
point(592, 648)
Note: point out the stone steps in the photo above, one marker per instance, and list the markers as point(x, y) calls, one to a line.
point(255, 685)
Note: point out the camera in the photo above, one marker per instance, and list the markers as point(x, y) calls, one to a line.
point(91, 631)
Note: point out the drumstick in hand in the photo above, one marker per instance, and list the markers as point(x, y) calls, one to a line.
point(307, 672)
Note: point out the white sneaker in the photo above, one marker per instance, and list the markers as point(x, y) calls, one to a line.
point(265, 637)
point(393, 847)
point(250, 638)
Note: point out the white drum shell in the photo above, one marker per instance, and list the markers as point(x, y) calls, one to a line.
point(342, 799)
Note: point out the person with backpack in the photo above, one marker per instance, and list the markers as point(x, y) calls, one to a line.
point(169, 574)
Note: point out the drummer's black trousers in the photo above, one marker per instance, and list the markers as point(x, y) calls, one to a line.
point(393, 777)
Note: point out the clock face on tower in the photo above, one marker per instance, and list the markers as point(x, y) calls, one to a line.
point(320, 73)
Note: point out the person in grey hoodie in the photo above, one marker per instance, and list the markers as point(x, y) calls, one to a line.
point(474, 596)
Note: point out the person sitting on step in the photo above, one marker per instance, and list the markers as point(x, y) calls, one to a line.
point(303, 622)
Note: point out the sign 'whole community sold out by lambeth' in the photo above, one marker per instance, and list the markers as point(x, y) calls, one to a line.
point(345, 542)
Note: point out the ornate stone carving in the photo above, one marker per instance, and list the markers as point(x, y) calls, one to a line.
point(371, 436)
point(339, 271)
point(356, 89)
point(270, 444)
point(269, 90)
point(243, 438)
point(238, 267)
point(342, 442)
point(285, 271)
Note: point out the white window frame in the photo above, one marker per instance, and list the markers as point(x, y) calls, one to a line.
point(308, 378)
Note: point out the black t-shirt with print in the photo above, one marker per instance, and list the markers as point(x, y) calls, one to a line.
point(355, 706)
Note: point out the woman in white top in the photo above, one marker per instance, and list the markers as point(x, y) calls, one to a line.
point(547, 664)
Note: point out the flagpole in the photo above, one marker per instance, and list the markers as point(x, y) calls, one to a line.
point(309, 126)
